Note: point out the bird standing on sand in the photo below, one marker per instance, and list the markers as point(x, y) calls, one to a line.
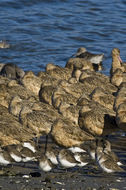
point(107, 150)
point(104, 159)
point(45, 164)
point(81, 157)
point(52, 154)
point(66, 159)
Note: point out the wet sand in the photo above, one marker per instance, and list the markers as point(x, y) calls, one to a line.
point(28, 177)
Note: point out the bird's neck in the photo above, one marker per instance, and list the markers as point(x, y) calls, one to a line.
point(116, 62)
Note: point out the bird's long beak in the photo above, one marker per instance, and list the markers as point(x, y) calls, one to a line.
point(120, 59)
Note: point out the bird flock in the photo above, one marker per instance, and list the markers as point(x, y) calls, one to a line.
point(76, 105)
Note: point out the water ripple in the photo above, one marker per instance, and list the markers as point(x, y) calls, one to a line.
point(33, 27)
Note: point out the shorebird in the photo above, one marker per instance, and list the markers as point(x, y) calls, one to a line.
point(66, 134)
point(104, 159)
point(116, 61)
point(30, 145)
point(118, 77)
point(66, 159)
point(121, 114)
point(107, 150)
point(82, 158)
point(76, 149)
point(52, 155)
point(27, 155)
point(14, 152)
point(5, 158)
point(108, 164)
point(93, 58)
point(20, 153)
point(45, 164)
point(4, 44)
point(12, 71)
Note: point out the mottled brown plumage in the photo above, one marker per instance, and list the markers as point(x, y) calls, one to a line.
point(67, 134)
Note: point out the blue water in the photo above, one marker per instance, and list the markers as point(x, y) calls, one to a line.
point(42, 31)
